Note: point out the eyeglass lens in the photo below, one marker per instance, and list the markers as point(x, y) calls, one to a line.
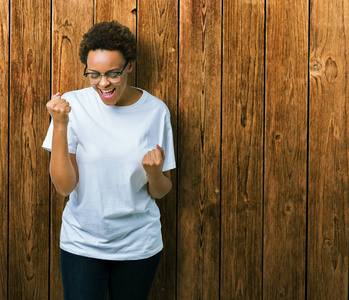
point(96, 78)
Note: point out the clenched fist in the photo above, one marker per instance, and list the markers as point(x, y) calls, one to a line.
point(153, 161)
point(59, 109)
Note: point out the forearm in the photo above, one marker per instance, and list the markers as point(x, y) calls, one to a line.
point(63, 174)
point(159, 185)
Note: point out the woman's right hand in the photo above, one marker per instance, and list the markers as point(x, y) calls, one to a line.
point(59, 109)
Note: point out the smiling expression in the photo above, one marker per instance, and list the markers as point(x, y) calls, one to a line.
point(102, 61)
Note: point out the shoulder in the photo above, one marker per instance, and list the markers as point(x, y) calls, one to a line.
point(156, 103)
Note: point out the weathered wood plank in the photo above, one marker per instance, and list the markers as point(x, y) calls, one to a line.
point(285, 149)
point(28, 163)
point(157, 73)
point(242, 149)
point(4, 93)
point(67, 75)
point(125, 12)
point(199, 149)
point(328, 153)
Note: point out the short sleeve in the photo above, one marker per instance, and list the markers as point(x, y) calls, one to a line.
point(72, 141)
point(170, 160)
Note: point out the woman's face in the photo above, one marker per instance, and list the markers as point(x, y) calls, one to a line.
point(102, 61)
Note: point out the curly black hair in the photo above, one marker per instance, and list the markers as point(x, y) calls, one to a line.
point(109, 36)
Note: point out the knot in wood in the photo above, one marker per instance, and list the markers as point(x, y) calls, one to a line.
point(30, 58)
point(316, 67)
point(282, 293)
point(327, 244)
point(66, 24)
point(331, 69)
point(320, 68)
point(288, 208)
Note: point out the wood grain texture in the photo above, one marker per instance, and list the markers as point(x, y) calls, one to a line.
point(329, 151)
point(285, 150)
point(223, 238)
point(157, 73)
point(67, 74)
point(125, 12)
point(4, 93)
point(199, 150)
point(29, 183)
point(242, 150)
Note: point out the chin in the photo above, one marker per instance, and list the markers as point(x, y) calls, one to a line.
point(110, 102)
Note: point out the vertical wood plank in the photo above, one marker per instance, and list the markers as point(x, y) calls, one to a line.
point(157, 73)
point(285, 149)
point(29, 183)
point(125, 12)
point(4, 93)
point(329, 150)
point(71, 19)
point(199, 149)
point(242, 149)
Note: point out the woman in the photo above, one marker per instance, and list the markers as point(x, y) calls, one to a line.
point(111, 151)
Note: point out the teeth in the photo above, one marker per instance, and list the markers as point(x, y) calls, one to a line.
point(107, 91)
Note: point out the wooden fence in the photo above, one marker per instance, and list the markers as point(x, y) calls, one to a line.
point(258, 91)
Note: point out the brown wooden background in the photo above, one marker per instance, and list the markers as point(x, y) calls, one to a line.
point(258, 91)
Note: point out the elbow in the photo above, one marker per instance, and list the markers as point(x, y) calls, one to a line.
point(64, 189)
point(161, 194)
point(63, 186)
point(63, 192)
point(168, 191)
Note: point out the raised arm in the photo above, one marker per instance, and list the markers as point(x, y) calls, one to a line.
point(63, 168)
point(160, 183)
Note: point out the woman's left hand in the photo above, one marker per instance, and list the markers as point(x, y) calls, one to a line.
point(153, 161)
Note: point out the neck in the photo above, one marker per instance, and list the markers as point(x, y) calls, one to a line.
point(129, 96)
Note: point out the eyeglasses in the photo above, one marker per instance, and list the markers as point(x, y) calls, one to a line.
point(111, 76)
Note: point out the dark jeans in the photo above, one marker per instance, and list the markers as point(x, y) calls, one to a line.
point(88, 278)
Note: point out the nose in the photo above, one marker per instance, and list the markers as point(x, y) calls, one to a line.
point(104, 82)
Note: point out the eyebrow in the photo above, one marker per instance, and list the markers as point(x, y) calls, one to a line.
point(112, 70)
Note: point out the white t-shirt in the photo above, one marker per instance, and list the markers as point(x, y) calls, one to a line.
point(110, 214)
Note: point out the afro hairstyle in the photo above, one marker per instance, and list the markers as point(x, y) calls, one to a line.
point(109, 36)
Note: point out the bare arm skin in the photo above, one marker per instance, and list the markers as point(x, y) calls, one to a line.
point(63, 168)
point(160, 183)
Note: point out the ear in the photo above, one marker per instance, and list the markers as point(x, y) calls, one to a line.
point(131, 64)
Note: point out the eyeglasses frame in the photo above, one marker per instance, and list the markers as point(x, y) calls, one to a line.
point(104, 74)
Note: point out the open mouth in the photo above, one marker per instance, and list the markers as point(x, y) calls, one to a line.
point(107, 94)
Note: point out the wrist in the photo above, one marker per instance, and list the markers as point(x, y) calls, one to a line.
point(60, 125)
point(153, 176)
